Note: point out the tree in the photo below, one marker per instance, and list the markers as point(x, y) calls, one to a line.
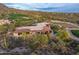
point(55, 28)
point(62, 34)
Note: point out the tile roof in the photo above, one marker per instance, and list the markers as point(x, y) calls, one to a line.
point(38, 27)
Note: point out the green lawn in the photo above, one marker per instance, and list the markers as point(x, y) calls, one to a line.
point(75, 32)
point(16, 16)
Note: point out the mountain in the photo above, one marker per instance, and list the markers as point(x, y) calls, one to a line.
point(3, 8)
point(71, 17)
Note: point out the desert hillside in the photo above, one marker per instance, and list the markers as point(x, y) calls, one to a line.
point(71, 17)
point(24, 32)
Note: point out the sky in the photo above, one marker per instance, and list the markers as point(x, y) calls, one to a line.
point(39, 1)
point(46, 7)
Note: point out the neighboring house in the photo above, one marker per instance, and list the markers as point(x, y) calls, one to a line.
point(2, 22)
point(43, 27)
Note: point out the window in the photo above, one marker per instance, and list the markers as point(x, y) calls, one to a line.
point(38, 32)
point(27, 32)
point(46, 32)
point(19, 33)
point(47, 25)
point(50, 31)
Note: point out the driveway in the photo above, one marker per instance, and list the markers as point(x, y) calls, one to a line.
point(69, 26)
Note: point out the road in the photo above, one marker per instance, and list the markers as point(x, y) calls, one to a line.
point(66, 24)
point(71, 35)
point(69, 26)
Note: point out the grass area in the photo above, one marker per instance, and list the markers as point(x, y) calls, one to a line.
point(75, 32)
point(16, 16)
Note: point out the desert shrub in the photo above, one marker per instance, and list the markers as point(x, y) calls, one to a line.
point(77, 48)
point(15, 42)
point(55, 28)
point(39, 40)
point(62, 34)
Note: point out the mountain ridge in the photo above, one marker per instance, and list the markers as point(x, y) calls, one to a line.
point(70, 17)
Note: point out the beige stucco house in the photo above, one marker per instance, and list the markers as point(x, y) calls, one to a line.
point(43, 27)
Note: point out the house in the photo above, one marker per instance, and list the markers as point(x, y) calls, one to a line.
point(2, 22)
point(43, 27)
